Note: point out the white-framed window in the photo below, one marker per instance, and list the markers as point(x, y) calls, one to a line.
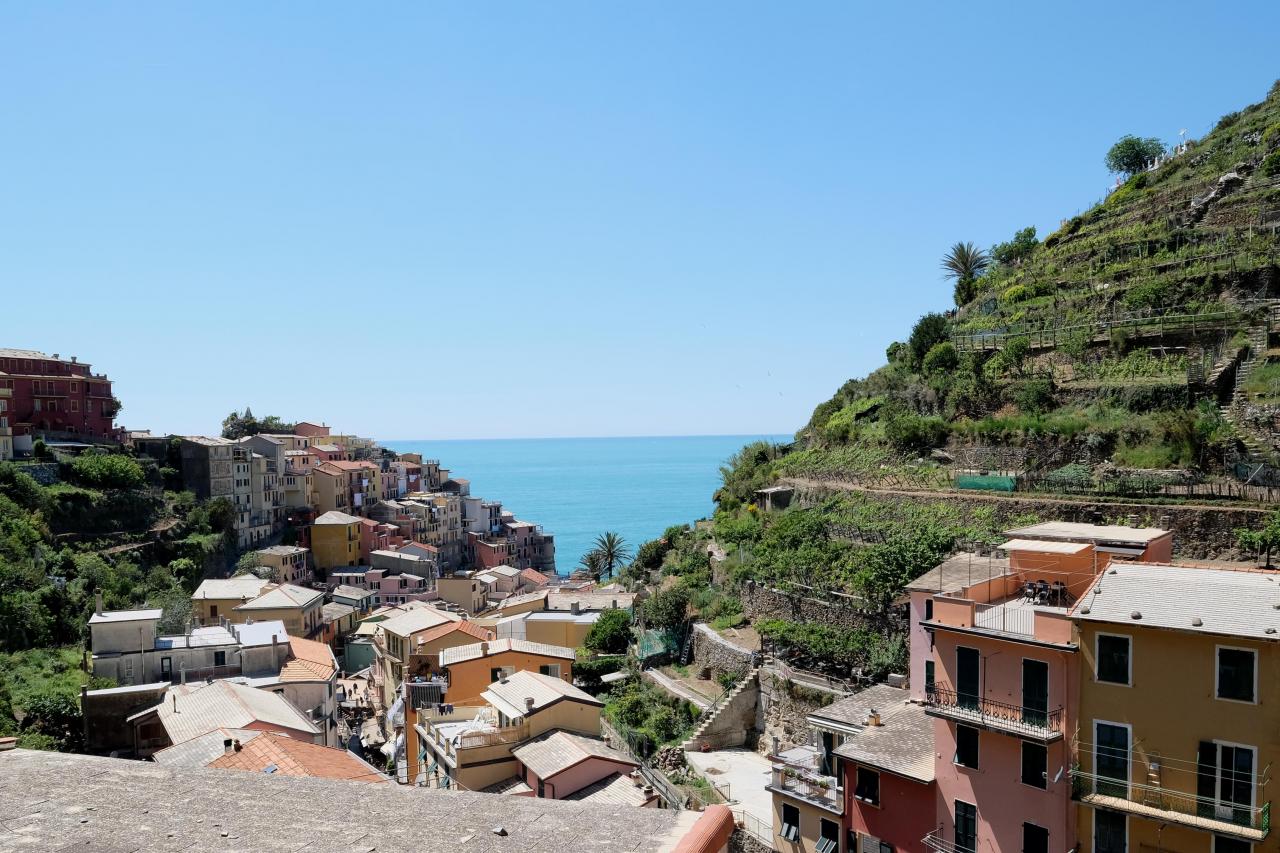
point(1235, 674)
point(1113, 659)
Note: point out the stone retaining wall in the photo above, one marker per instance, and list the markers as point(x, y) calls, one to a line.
point(783, 709)
point(711, 651)
point(762, 602)
point(734, 722)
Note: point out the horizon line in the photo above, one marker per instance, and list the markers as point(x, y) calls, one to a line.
point(596, 437)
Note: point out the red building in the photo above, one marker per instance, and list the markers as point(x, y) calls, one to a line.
point(55, 395)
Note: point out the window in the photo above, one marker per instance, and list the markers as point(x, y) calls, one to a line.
point(928, 677)
point(1224, 781)
point(967, 747)
point(790, 823)
point(867, 788)
point(1035, 692)
point(213, 611)
point(829, 837)
point(1230, 845)
point(551, 669)
point(966, 826)
point(75, 387)
point(1035, 839)
point(1113, 659)
point(166, 668)
point(967, 687)
point(75, 405)
point(1110, 832)
point(219, 658)
point(1034, 765)
point(1111, 758)
point(1236, 671)
point(928, 609)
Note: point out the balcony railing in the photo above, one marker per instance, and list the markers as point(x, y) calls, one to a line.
point(1240, 820)
point(807, 784)
point(1017, 720)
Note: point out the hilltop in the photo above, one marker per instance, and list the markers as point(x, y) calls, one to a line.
point(1129, 353)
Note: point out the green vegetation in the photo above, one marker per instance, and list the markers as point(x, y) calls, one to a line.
point(610, 634)
point(237, 425)
point(1131, 154)
point(964, 264)
point(607, 557)
point(647, 716)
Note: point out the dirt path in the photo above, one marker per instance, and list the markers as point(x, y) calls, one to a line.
point(675, 688)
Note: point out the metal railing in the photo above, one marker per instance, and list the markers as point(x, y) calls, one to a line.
point(934, 841)
point(807, 784)
point(753, 826)
point(1020, 621)
point(1179, 806)
point(1016, 719)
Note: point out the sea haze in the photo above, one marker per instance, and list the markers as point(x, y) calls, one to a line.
point(577, 488)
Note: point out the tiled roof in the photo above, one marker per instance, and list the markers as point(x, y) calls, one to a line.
point(273, 753)
point(509, 694)
point(348, 591)
point(558, 750)
point(1222, 602)
point(243, 587)
point(462, 627)
point(282, 550)
point(614, 789)
point(308, 661)
point(901, 744)
point(459, 654)
point(851, 711)
point(512, 785)
point(335, 517)
point(535, 577)
point(504, 571)
point(333, 611)
point(199, 751)
point(410, 622)
point(190, 710)
point(590, 600)
point(514, 600)
point(283, 596)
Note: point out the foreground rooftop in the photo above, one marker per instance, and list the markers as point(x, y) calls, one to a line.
point(64, 802)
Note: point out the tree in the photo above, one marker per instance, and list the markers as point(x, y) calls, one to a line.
point(613, 552)
point(56, 719)
point(1022, 244)
point(610, 634)
point(108, 471)
point(668, 608)
point(941, 359)
point(1261, 541)
point(1131, 154)
point(965, 264)
point(251, 563)
point(929, 330)
point(593, 564)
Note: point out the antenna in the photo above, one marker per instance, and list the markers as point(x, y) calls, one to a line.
point(1058, 775)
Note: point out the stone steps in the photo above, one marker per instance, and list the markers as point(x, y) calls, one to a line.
point(690, 744)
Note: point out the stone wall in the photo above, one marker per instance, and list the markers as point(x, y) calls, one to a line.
point(1199, 531)
point(783, 709)
point(762, 602)
point(713, 652)
point(734, 722)
point(743, 842)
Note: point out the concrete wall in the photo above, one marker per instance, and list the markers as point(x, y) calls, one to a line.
point(734, 722)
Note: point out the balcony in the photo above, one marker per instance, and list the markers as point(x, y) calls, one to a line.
point(797, 773)
point(1166, 805)
point(935, 842)
point(1041, 726)
point(1014, 618)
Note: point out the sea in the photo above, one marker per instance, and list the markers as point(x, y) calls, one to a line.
point(578, 488)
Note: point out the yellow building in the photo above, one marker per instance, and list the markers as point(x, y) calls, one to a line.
point(300, 609)
point(288, 563)
point(330, 488)
point(464, 591)
point(335, 541)
point(1179, 720)
point(217, 598)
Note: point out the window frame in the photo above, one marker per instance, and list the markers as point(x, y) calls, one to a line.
point(857, 785)
point(1022, 765)
point(1218, 774)
point(1128, 780)
point(1217, 674)
point(790, 831)
point(977, 748)
point(1248, 846)
point(1097, 659)
point(1093, 835)
point(826, 844)
point(1028, 824)
point(955, 815)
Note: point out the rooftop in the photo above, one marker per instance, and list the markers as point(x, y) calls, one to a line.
point(243, 587)
point(614, 789)
point(308, 661)
point(1089, 532)
point(901, 744)
point(851, 712)
point(199, 751)
point(48, 796)
point(557, 750)
point(282, 550)
point(333, 611)
point(514, 600)
point(191, 710)
point(108, 616)
point(283, 596)
point(348, 591)
point(260, 633)
point(1222, 602)
point(558, 600)
point(411, 622)
point(959, 571)
point(475, 651)
point(273, 753)
point(335, 517)
point(462, 626)
point(1042, 546)
point(509, 694)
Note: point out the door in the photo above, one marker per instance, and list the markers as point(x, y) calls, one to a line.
point(967, 677)
point(1035, 692)
point(1111, 759)
point(1226, 782)
point(1110, 832)
point(166, 669)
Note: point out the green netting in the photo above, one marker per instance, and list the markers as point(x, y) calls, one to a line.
point(987, 482)
point(654, 642)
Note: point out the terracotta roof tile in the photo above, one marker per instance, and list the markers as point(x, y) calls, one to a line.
point(291, 757)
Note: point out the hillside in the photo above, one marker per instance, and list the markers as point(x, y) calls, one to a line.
point(1128, 354)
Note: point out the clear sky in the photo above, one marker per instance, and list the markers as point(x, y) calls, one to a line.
point(440, 220)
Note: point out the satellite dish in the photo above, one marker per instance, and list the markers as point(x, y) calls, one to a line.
point(1059, 776)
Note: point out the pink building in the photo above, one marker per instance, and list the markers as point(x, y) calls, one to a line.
point(390, 589)
point(1000, 679)
point(488, 551)
point(310, 430)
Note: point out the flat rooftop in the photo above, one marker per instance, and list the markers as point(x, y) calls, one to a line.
point(57, 801)
point(1068, 530)
point(959, 571)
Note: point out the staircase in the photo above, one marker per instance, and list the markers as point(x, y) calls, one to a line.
point(709, 716)
point(1257, 448)
point(686, 651)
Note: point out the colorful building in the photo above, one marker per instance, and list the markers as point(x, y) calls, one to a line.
point(471, 669)
point(335, 540)
point(51, 394)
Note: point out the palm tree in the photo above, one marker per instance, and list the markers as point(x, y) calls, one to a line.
point(613, 552)
point(592, 563)
point(965, 263)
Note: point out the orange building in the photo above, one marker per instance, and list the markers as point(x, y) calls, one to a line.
point(471, 669)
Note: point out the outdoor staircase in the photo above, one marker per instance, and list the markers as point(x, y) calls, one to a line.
point(692, 743)
point(686, 650)
point(1257, 448)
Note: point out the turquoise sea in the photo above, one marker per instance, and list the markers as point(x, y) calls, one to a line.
point(577, 488)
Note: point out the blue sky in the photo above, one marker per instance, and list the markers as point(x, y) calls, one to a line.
point(446, 220)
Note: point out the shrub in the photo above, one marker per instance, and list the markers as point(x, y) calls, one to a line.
point(911, 433)
point(611, 633)
point(1131, 154)
point(1034, 396)
point(108, 471)
point(929, 330)
point(1271, 164)
point(1227, 120)
point(1271, 137)
point(1023, 243)
point(941, 359)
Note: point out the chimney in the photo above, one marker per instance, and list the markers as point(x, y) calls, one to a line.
point(97, 602)
point(573, 608)
point(484, 649)
point(182, 672)
point(73, 359)
point(528, 704)
point(226, 745)
point(1133, 519)
point(236, 746)
point(873, 717)
point(175, 702)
